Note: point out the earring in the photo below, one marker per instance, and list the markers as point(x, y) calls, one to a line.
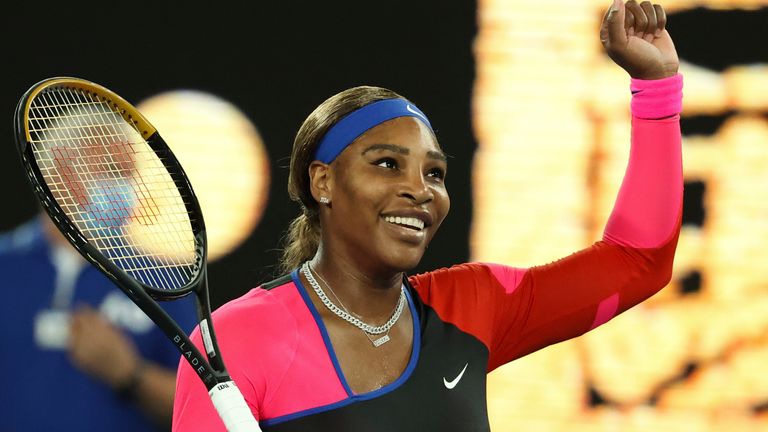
point(324, 200)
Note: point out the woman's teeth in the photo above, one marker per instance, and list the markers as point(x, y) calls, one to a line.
point(409, 222)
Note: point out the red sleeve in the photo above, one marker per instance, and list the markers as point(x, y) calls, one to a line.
point(547, 304)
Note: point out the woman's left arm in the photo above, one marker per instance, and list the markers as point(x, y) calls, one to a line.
point(634, 259)
point(554, 302)
point(517, 311)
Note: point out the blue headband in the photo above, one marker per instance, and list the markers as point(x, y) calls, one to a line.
point(359, 121)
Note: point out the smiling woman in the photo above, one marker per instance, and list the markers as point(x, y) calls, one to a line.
point(388, 139)
point(347, 341)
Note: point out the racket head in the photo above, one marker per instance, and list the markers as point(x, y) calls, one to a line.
point(112, 185)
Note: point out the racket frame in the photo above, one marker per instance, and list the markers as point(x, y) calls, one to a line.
point(211, 371)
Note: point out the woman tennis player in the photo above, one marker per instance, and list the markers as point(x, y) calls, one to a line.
point(347, 341)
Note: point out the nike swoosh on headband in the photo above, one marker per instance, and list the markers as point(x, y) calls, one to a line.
point(418, 113)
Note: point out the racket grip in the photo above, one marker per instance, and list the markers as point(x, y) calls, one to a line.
point(232, 408)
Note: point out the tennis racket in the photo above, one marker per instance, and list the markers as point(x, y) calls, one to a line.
point(118, 194)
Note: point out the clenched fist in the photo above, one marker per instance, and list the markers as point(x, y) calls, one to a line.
point(635, 38)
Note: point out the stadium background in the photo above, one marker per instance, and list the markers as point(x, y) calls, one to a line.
point(535, 119)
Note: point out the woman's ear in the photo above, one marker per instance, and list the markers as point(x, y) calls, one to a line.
point(320, 183)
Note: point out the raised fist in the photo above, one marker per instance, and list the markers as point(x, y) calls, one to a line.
point(635, 38)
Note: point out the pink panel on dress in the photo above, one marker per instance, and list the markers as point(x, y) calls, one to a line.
point(605, 311)
point(508, 277)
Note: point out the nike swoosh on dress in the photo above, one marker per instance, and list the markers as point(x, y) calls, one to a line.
point(451, 384)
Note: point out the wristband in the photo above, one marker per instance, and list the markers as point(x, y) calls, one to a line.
point(657, 99)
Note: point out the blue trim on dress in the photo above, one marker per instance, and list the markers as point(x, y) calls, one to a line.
point(321, 325)
point(351, 396)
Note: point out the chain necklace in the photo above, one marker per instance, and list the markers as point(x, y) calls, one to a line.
point(346, 316)
point(376, 342)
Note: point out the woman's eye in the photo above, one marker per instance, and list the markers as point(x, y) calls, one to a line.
point(436, 173)
point(386, 163)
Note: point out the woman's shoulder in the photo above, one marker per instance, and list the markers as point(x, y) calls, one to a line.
point(271, 301)
point(456, 270)
point(469, 274)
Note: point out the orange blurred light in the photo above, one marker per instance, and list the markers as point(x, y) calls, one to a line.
point(223, 156)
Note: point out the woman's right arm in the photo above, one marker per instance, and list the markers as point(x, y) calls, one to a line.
point(192, 406)
point(243, 328)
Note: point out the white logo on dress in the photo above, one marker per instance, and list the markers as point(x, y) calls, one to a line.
point(451, 384)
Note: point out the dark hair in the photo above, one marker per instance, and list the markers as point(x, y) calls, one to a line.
point(303, 235)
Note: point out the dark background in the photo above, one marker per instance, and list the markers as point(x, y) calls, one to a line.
point(276, 61)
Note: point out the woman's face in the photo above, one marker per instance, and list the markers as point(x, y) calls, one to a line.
point(388, 195)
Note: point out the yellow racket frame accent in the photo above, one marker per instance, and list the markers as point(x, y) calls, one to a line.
point(125, 109)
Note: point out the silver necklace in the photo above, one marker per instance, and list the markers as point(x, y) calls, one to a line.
point(346, 316)
point(376, 342)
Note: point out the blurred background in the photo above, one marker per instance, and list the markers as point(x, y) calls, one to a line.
point(536, 121)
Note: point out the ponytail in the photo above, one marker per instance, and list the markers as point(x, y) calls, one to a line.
point(301, 242)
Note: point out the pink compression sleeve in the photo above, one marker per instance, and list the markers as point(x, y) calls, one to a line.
point(650, 197)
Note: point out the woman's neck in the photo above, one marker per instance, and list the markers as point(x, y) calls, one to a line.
point(370, 294)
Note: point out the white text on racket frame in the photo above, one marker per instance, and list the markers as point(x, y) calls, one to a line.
point(188, 353)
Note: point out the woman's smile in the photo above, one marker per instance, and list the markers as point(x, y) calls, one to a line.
point(389, 184)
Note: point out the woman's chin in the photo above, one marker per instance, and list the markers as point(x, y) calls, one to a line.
point(405, 260)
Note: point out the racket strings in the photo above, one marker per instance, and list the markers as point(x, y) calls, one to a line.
point(112, 194)
point(112, 246)
point(111, 243)
point(113, 186)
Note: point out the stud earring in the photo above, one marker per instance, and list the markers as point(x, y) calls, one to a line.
point(325, 200)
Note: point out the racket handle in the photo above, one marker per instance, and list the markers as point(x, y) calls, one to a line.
point(232, 408)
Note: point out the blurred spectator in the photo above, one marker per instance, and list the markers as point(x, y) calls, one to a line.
point(81, 355)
